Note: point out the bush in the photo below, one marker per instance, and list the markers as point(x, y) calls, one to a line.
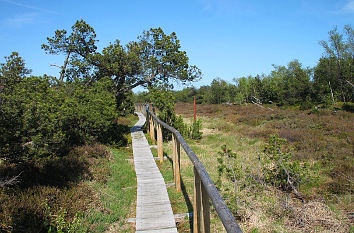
point(164, 101)
point(349, 107)
point(41, 117)
point(194, 130)
point(278, 167)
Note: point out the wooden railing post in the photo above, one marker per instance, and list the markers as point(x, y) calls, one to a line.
point(147, 123)
point(176, 153)
point(201, 206)
point(178, 163)
point(206, 210)
point(196, 203)
point(159, 142)
point(152, 131)
point(174, 158)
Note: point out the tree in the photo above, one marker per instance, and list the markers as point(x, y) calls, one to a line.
point(218, 91)
point(162, 60)
point(80, 42)
point(339, 49)
point(155, 59)
point(12, 71)
point(325, 82)
point(297, 85)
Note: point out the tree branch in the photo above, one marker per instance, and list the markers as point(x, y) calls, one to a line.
point(297, 193)
point(141, 82)
point(350, 83)
point(12, 181)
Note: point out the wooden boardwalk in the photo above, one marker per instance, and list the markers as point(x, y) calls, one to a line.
point(153, 209)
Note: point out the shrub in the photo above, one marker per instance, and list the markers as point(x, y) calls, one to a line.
point(194, 129)
point(163, 99)
point(243, 181)
point(349, 107)
point(42, 117)
point(278, 167)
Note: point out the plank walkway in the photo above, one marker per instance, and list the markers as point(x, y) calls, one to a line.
point(153, 209)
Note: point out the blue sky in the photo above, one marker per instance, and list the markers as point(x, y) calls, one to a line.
point(224, 38)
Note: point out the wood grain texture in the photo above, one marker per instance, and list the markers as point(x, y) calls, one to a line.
point(153, 209)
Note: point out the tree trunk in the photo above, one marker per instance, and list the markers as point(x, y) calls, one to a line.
point(63, 68)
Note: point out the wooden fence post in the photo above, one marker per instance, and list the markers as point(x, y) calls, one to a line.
point(147, 123)
point(196, 203)
point(178, 163)
point(159, 143)
point(201, 206)
point(206, 210)
point(152, 130)
point(174, 158)
point(176, 153)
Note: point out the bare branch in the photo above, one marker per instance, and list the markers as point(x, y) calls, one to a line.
point(297, 193)
point(350, 83)
point(259, 105)
point(12, 181)
point(56, 66)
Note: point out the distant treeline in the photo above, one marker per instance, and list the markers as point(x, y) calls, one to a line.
point(331, 80)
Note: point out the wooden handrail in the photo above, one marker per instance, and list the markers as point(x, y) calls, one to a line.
point(204, 187)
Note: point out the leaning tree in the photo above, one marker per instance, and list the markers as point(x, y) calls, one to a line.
point(154, 59)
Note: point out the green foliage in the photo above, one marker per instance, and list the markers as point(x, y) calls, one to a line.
point(164, 100)
point(349, 107)
point(335, 71)
point(231, 168)
point(330, 81)
point(234, 171)
point(41, 117)
point(12, 71)
point(186, 95)
point(218, 92)
point(80, 43)
point(194, 129)
point(162, 58)
point(278, 167)
point(56, 222)
point(155, 58)
point(285, 85)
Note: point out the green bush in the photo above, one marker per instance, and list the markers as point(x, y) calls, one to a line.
point(41, 117)
point(163, 99)
point(194, 130)
point(349, 107)
point(279, 169)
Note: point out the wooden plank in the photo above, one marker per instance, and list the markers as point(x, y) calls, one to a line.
point(153, 209)
point(166, 230)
